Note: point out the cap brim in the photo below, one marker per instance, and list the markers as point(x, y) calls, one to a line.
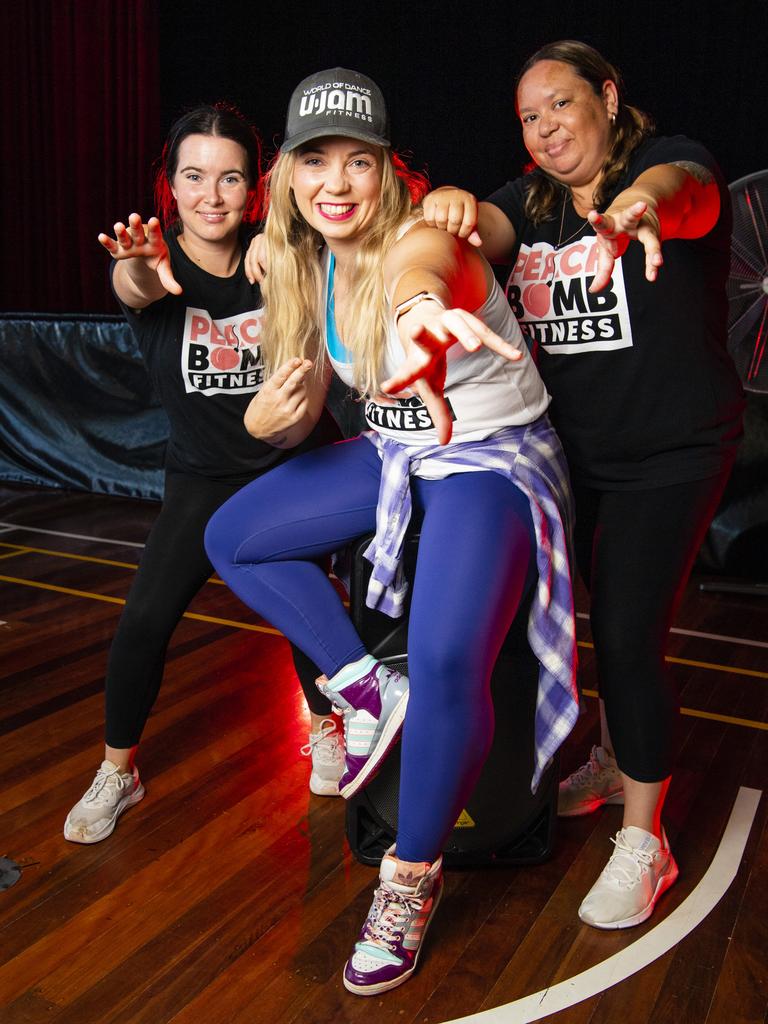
point(347, 133)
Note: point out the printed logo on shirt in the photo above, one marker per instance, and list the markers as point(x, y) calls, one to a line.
point(549, 294)
point(406, 414)
point(222, 356)
point(337, 98)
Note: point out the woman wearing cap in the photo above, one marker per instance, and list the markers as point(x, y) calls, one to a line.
point(357, 282)
point(197, 321)
point(632, 349)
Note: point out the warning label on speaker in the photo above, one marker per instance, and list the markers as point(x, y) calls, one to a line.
point(465, 820)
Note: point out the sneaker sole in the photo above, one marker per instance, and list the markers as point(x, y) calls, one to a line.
point(384, 744)
point(385, 986)
point(73, 835)
point(582, 809)
point(667, 879)
point(323, 787)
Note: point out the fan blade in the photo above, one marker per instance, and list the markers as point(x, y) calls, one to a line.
point(757, 215)
point(758, 351)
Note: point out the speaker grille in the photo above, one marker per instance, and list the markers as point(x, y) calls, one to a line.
point(507, 824)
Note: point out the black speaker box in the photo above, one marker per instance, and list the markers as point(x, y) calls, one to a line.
point(503, 822)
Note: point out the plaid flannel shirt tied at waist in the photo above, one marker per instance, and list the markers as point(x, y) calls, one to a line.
point(531, 458)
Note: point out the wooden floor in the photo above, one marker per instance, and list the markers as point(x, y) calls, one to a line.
point(230, 896)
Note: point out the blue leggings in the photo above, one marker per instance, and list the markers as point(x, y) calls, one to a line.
point(476, 560)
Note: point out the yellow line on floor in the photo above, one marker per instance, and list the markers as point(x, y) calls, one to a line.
point(699, 664)
point(13, 554)
point(235, 624)
point(62, 590)
point(119, 600)
point(69, 554)
point(232, 622)
point(19, 550)
point(80, 558)
point(694, 713)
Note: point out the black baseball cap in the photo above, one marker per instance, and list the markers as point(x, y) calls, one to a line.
point(336, 102)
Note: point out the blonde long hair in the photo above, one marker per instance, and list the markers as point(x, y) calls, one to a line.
point(293, 288)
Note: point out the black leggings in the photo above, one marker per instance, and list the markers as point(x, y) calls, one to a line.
point(173, 567)
point(635, 550)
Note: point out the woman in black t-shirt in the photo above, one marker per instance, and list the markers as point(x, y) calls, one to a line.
point(631, 346)
point(197, 320)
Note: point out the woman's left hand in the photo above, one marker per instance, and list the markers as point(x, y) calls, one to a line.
point(427, 340)
point(615, 229)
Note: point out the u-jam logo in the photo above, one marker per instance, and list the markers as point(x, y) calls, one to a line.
point(336, 97)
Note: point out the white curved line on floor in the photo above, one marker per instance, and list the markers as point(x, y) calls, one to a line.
point(649, 947)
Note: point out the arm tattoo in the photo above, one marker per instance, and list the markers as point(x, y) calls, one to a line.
point(702, 174)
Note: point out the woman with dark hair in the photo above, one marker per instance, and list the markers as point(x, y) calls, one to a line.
point(630, 341)
point(356, 281)
point(198, 322)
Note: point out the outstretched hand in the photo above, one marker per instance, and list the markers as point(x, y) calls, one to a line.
point(614, 231)
point(425, 365)
point(145, 242)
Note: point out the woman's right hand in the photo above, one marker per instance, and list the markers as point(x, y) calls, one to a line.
point(428, 337)
point(137, 241)
point(256, 260)
point(453, 210)
point(281, 404)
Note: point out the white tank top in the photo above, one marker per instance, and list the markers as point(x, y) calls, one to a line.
point(484, 391)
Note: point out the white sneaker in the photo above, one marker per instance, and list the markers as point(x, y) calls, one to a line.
point(596, 783)
point(94, 817)
point(327, 753)
point(641, 868)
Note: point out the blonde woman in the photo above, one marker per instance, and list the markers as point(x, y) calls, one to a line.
point(458, 431)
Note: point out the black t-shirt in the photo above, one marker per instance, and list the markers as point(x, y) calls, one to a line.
point(203, 355)
point(643, 391)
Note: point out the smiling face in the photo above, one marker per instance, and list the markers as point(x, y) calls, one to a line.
point(337, 186)
point(566, 126)
point(210, 188)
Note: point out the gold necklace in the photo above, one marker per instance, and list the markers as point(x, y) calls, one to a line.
point(564, 241)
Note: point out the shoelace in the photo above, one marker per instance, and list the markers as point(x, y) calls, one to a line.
point(101, 781)
point(590, 769)
point(327, 737)
point(389, 915)
point(632, 871)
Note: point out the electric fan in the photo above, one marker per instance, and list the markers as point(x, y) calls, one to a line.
point(748, 280)
point(748, 306)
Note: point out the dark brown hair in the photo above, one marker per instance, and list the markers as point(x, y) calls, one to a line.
point(218, 119)
point(543, 194)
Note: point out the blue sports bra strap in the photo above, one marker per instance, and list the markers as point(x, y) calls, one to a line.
point(333, 341)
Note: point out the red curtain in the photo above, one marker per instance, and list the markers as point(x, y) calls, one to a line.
point(80, 130)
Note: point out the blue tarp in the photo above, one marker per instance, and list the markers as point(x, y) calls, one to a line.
point(76, 407)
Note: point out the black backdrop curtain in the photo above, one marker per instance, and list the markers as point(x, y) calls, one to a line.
point(79, 130)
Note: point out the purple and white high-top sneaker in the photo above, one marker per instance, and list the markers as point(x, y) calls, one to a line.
point(372, 699)
point(386, 953)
